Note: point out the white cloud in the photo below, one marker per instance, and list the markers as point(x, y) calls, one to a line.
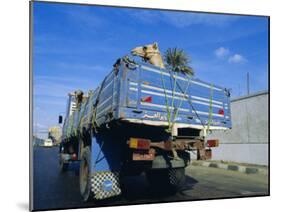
point(237, 58)
point(221, 52)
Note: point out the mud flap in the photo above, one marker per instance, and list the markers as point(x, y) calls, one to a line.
point(105, 184)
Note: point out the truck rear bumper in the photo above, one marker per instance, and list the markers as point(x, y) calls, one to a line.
point(176, 125)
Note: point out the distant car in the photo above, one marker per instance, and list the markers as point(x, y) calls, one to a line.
point(48, 142)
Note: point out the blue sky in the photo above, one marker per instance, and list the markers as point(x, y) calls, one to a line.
point(74, 46)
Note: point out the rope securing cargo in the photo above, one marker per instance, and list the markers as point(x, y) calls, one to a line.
point(172, 117)
point(176, 109)
point(179, 106)
point(210, 109)
point(166, 102)
point(94, 108)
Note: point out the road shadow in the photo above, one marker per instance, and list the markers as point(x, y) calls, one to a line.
point(190, 182)
point(138, 190)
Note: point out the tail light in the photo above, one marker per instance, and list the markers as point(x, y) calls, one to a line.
point(213, 143)
point(221, 111)
point(139, 143)
point(146, 99)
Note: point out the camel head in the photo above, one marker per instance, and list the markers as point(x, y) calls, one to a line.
point(149, 52)
point(146, 51)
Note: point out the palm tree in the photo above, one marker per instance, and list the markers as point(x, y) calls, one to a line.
point(177, 60)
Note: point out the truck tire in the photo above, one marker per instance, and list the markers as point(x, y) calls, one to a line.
point(171, 179)
point(62, 165)
point(85, 175)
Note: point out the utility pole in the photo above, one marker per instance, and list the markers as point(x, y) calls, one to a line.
point(248, 83)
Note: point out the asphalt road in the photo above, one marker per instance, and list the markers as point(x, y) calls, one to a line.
point(54, 190)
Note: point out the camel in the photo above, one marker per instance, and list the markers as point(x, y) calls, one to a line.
point(149, 53)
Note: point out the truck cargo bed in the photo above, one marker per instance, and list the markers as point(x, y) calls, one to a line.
point(138, 92)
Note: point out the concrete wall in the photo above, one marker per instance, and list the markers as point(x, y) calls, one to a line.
point(247, 141)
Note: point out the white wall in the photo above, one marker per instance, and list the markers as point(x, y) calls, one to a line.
point(247, 141)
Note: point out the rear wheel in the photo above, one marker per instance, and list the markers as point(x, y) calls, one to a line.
point(172, 179)
point(63, 165)
point(85, 175)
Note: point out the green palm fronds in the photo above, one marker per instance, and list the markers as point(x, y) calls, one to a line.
point(177, 60)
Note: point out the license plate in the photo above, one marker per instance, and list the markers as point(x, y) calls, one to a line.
point(143, 156)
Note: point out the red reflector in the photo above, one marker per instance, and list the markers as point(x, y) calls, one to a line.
point(213, 143)
point(74, 156)
point(221, 111)
point(146, 99)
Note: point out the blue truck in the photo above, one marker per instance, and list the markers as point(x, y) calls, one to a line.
point(141, 119)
